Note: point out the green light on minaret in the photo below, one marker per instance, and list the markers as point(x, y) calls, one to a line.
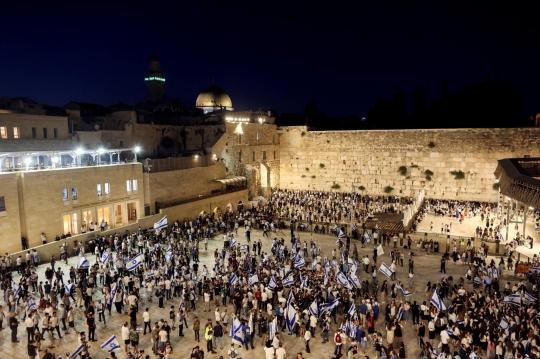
point(154, 79)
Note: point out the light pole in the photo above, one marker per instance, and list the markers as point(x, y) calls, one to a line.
point(136, 150)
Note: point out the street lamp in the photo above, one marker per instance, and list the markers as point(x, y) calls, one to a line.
point(136, 150)
point(27, 162)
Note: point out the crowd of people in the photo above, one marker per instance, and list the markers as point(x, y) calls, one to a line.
point(293, 289)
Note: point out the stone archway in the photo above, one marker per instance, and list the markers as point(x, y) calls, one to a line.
point(266, 187)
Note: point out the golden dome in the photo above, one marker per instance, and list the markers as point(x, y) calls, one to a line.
point(213, 97)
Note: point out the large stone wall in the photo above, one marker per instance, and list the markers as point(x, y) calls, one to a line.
point(318, 160)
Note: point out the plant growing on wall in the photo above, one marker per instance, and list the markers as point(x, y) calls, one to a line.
point(335, 186)
point(313, 176)
point(303, 134)
point(431, 144)
point(388, 189)
point(361, 188)
point(459, 175)
point(496, 186)
point(428, 178)
point(414, 166)
point(307, 169)
point(428, 174)
point(321, 165)
point(402, 170)
point(303, 176)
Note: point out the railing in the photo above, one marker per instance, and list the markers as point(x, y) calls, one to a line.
point(162, 205)
point(179, 163)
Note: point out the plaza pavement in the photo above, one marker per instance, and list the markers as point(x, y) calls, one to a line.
point(426, 269)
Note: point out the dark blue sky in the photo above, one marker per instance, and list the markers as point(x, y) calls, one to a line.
point(266, 55)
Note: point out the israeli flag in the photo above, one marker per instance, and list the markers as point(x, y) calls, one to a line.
point(367, 237)
point(134, 262)
point(385, 269)
point(514, 299)
point(300, 262)
point(244, 247)
point(328, 307)
point(236, 331)
point(272, 284)
point(477, 280)
point(529, 299)
point(341, 235)
point(314, 265)
point(180, 306)
point(437, 301)
point(68, 288)
point(499, 236)
point(77, 351)
point(531, 269)
point(111, 344)
point(273, 328)
point(290, 314)
point(325, 278)
point(405, 292)
point(352, 311)
point(450, 331)
point(162, 223)
point(16, 289)
point(105, 257)
point(380, 250)
point(234, 279)
point(303, 282)
point(433, 350)
point(168, 255)
point(314, 308)
point(253, 279)
point(83, 263)
point(288, 280)
point(31, 305)
point(504, 324)
point(353, 278)
point(344, 281)
point(354, 267)
point(233, 242)
point(150, 274)
point(399, 313)
point(327, 266)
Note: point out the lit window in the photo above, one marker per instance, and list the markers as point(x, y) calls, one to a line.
point(16, 132)
point(3, 132)
point(107, 188)
point(135, 185)
point(65, 194)
point(74, 193)
point(99, 189)
point(128, 186)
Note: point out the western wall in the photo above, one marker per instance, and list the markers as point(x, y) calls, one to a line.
point(395, 161)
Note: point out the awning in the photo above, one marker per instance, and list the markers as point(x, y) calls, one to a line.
point(232, 180)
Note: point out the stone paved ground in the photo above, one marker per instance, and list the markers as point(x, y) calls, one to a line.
point(426, 268)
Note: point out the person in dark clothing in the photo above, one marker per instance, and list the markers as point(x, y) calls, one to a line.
point(91, 322)
point(13, 324)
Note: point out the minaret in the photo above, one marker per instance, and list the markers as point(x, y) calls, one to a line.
point(155, 81)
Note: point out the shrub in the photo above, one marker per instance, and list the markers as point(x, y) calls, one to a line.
point(307, 169)
point(459, 175)
point(496, 186)
point(321, 165)
point(428, 178)
point(303, 176)
point(428, 173)
point(361, 188)
point(402, 170)
point(313, 176)
point(431, 144)
point(303, 133)
point(388, 189)
point(414, 166)
point(335, 186)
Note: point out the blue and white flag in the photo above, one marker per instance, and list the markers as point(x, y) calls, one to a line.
point(367, 237)
point(168, 255)
point(528, 299)
point(111, 344)
point(314, 308)
point(477, 280)
point(16, 289)
point(514, 299)
point(83, 263)
point(236, 332)
point(233, 242)
point(272, 284)
point(290, 314)
point(273, 328)
point(134, 262)
point(180, 307)
point(504, 324)
point(150, 274)
point(77, 351)
point(328, 307)
point(105, 257)
point(399, 314)
point(314, 265)
point(234, 279)
point(253, 279)
point(31, 305)
point(385, 269)
point(299, 263)
point(353, 278)
point(344, 281)
point(406, 293)
point(288, 280)
point(437, 301)
point(499, 236)
point(352, 311)
point(433, 350)
point(325, 278)
point(68, 288)
point(244, 247)
point(380, 250)
point(303, 282)
point(162, 223)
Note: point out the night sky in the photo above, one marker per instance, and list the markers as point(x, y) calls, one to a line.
point(264, 55)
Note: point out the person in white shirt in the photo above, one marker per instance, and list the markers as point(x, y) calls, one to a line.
point(307, 337)
point(280, 352)
point(217, 315)
point(125, 336)
point(146, 320)
point(206, 301)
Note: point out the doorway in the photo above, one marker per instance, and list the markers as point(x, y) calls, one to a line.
point(70, 223)
point(132, 212)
